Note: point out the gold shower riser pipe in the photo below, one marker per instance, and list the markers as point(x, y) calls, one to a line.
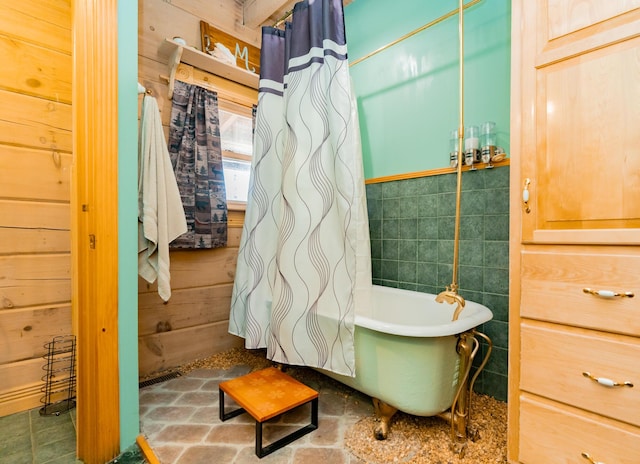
point(456, 238)
point(414, 32)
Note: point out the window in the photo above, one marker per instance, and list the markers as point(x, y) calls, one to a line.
point(236, 137)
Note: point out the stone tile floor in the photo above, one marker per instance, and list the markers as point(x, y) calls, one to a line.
point(30, 438)
point(180, 420)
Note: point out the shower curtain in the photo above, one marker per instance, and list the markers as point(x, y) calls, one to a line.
point(196, 157)
point(304, 258)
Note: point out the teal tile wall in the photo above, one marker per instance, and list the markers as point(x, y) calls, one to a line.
point(411, 224)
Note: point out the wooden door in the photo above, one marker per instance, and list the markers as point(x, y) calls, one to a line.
point(580, 109)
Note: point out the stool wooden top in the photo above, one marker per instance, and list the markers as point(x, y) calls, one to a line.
point(267, 393)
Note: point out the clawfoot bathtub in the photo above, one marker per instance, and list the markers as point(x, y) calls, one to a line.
point(408, 354)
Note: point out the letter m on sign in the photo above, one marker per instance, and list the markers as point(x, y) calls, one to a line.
point(247, 56)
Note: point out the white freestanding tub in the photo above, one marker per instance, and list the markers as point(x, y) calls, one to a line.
point(405, 347)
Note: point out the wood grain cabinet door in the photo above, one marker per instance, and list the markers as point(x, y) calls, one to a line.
point(579, 140)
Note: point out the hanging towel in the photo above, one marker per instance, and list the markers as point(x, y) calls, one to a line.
point(161, 216)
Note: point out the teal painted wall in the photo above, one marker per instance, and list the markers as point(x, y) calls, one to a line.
point(128, 221)
point(408, 95)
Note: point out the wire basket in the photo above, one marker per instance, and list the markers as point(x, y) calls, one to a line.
point(60, 379)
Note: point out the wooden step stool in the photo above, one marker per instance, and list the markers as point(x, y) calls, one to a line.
point(266, 394)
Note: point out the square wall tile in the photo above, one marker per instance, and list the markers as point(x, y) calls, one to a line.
point(427, 205)
point(390, 250)
point(408, 250)
point(412, 224)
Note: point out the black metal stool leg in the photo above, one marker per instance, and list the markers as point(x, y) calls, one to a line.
point(224, 416)
point(276, 445)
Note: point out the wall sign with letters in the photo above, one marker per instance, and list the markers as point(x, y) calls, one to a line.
point(247, 56)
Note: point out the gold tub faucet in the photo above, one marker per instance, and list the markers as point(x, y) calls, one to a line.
point(451, 297)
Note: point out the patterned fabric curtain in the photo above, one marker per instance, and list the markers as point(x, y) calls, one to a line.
point(196, 156)
point(304, 259)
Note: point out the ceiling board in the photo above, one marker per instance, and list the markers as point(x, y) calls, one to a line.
point(259, 13)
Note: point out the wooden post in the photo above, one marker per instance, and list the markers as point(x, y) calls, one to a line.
point(95, 225)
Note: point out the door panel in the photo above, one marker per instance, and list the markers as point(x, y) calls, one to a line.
point(568, 16)
point(588, 162)
point(581, 103)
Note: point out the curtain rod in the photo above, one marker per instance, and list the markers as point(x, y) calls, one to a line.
point(288, 14)
point(414, 32)
point(283, 18)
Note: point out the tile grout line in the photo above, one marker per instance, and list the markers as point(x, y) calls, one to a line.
point(33, 439)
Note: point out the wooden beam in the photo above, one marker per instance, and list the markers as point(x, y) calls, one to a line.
point(95, 227)
point(257, 12)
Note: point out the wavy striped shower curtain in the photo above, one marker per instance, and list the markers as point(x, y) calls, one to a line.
point(304, 260)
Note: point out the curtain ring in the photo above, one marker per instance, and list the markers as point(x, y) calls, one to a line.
point(55, 155)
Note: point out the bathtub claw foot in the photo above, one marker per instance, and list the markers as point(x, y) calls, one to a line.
point(459, 448)
point(384, 412)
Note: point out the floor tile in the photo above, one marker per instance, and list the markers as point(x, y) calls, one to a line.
point(13, 456)
point(182, 433)
point(15, 442)
point(62, 431)
point(45, 453)
point(65, 459)
point(213, 453)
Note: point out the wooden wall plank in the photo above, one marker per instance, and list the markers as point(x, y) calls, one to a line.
point(153, 27)
point(34, 70)
point(168, 350)
point(198, 268)
point(186, 308)
point(30, 280)
point(23, 373)
point(34, 267)
point(149, 72)
point(33, 122)
point(34, 215)
point(24, 332)
point(227, 16)
point(20, 385)
point(46, 24)
point(35, 174)
point(35, 292)
point(22, 241)
point(235, 220)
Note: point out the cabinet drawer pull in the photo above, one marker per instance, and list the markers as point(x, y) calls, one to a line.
point(607, 382)
point(590, 459)
point(608, 293)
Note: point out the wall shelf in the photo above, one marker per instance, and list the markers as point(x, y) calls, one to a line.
point(183, 53)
